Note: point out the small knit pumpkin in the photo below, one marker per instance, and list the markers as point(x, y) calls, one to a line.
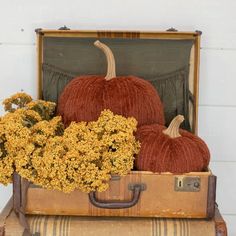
point(171, 149)
point(85, 97)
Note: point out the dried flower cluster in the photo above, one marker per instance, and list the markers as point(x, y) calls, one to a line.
point(16, 101)
point(15, 131)
point(83, 156)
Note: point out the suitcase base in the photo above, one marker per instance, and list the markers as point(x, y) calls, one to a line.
point(115, 226)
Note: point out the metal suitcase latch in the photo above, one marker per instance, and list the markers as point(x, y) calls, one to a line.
point(187, 184)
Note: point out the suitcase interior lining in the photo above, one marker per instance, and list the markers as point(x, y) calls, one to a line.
point(165, 63)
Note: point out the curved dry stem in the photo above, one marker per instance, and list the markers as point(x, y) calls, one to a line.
point(111, 66)
point(173, 128)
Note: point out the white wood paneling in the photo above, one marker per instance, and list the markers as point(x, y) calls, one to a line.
point(17, 69)
point(20, 17)
point(216, 127)
point(217, 77)
point(226, 191)
point(1, 108)
point(230, 221)
point(5, 194)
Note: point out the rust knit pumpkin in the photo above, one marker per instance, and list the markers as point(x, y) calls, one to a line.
point(170, 149)
point(85, 97)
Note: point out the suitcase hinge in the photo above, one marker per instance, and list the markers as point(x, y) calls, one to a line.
point(172, 30)
point(64, 28)
point(198, 32)
point(38, 31)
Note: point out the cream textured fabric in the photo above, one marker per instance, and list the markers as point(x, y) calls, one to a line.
point(100, 226)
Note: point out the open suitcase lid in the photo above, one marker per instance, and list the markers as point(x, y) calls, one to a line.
point(168, 59)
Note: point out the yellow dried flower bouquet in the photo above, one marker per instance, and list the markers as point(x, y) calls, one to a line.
point(34, 143)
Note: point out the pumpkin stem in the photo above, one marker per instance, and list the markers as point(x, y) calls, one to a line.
point(111, 66)
point(173, 128)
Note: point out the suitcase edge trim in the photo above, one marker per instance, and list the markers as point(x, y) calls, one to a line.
point(211, 198)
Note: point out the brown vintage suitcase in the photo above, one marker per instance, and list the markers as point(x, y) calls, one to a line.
point(104, 226)
point(168, 59)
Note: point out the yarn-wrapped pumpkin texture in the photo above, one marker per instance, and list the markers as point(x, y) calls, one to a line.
point(85, 97)
point(171, 149)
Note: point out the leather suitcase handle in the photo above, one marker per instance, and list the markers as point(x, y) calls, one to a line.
point(135, 188)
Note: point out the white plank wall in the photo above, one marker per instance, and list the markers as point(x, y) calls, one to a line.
point(217, 20)
point(17, 70)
